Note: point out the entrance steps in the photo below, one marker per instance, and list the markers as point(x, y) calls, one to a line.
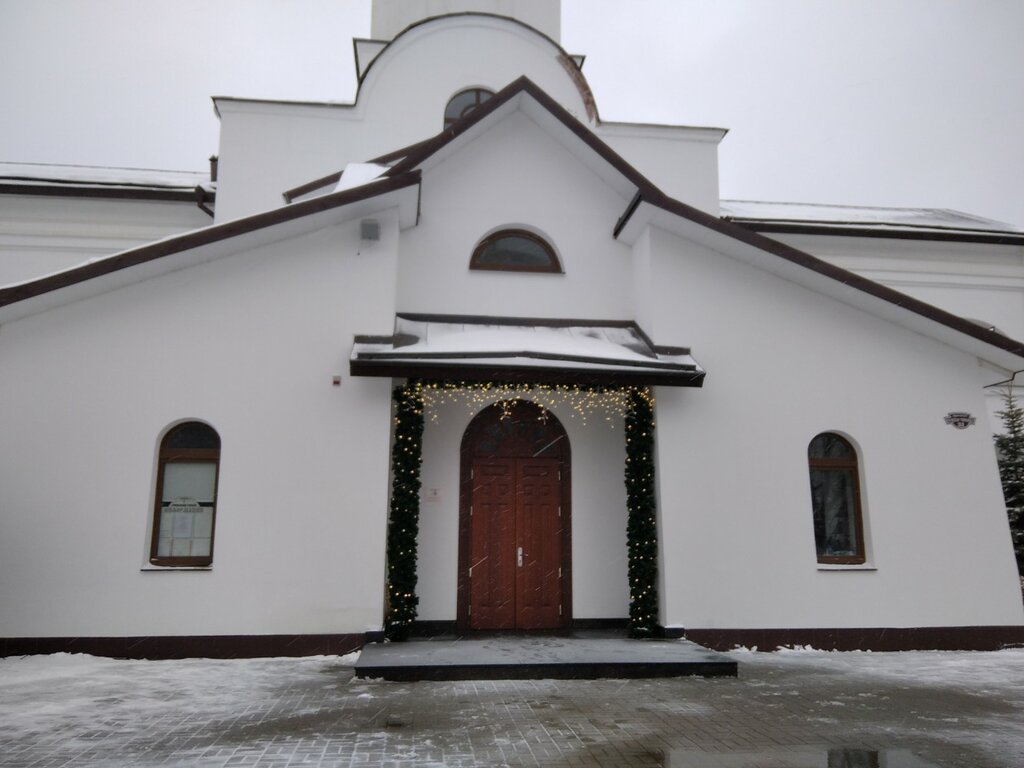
point(581, 656)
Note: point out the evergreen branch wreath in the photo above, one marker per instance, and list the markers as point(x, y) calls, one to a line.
point(642, 525)
point(403, 523)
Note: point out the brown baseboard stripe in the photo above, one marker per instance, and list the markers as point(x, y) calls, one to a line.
point(987, 638)
point(187, 646)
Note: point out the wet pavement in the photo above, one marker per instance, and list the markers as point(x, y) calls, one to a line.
point(784, 710)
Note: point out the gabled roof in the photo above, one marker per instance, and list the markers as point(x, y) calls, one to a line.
point(648, 204)
point(718, 233)
point(199, 245)
point(869, 221)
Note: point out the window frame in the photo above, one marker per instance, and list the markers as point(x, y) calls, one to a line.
point(168, 455)
point(849, 464)
point(554, 266)
point(477, 91)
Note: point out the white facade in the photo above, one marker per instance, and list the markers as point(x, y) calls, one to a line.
point(248, 325)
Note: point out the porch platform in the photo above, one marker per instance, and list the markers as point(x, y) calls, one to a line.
point(582, 656)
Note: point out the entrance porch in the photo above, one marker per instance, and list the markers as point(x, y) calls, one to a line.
point(584, 655)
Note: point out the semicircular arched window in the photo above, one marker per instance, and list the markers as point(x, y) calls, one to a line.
point(835, 500)
point(515, 250)
point(464, 102)
point(186, 496)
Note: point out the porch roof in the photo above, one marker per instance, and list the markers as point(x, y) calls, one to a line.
point(508, 349)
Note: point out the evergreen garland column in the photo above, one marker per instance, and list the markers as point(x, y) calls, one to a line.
point(642, 526)
point(403, 523)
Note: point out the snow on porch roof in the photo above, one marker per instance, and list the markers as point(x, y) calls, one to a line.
point(586, 352)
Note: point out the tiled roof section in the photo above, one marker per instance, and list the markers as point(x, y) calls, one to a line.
point(869, 221)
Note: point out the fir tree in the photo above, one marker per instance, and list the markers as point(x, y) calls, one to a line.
point(1010, 448)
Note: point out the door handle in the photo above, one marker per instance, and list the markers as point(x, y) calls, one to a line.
point(519, 556)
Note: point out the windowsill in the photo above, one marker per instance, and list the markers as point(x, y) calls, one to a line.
point(846, 567)
point(176, 568)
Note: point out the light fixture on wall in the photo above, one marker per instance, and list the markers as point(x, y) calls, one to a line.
point(369, 229)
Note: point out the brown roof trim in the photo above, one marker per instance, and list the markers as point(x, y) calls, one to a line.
point(120, 192)
point(398, 154)
point(547, 322)
point(312, 186)
point(416, 358)
point(334, 178)
point(648, 192)
point(523, 85)
point(992, 237)
point(469, 372)
point(206, 236)
point(851, 279)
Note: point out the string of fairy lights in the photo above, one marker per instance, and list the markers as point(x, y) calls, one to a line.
point(606, 404)
point(404, 520)
point(418, 400)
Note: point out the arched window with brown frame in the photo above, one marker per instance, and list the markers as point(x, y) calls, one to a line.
point(464, 102)
point(515, 250)
point(186, 496)
point(835, 500)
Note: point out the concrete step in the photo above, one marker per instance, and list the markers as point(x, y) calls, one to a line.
point(511, 657)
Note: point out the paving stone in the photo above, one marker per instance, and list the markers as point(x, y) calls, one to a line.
point(314, 713)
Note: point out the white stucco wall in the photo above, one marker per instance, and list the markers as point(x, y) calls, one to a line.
point(517, 176)
point(974, 280)
point(785, 364)
point(248, 343)
point(679, 160)
point(41, 235)
point(980, 281)
point(267, 148)
point(598, 499)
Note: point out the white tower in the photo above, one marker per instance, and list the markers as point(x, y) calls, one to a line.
point(392, 16)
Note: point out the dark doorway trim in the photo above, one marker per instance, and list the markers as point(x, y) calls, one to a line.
point(483, 439)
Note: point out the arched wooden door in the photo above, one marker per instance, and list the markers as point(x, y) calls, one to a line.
point(514, 521)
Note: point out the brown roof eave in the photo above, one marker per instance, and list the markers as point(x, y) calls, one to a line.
point(839, 274)
point(524, 85)
point(201, 237)
point(103, 192)
point(954, 236)
point(467, 372)
point(334, 178)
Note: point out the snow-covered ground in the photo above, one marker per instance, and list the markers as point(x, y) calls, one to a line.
point(950, 708)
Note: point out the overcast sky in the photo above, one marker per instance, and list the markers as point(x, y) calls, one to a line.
point(872, 102)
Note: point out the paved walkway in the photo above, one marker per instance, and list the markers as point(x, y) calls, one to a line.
point(784, 710)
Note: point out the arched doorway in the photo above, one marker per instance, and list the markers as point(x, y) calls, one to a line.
point(515, 545)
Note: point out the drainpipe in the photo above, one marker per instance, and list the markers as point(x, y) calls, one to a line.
point(201, 198)
point(201, 194)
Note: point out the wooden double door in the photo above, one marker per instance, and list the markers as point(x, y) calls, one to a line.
point(515, 544)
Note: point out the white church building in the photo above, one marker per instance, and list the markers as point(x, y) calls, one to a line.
point(461, 356)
